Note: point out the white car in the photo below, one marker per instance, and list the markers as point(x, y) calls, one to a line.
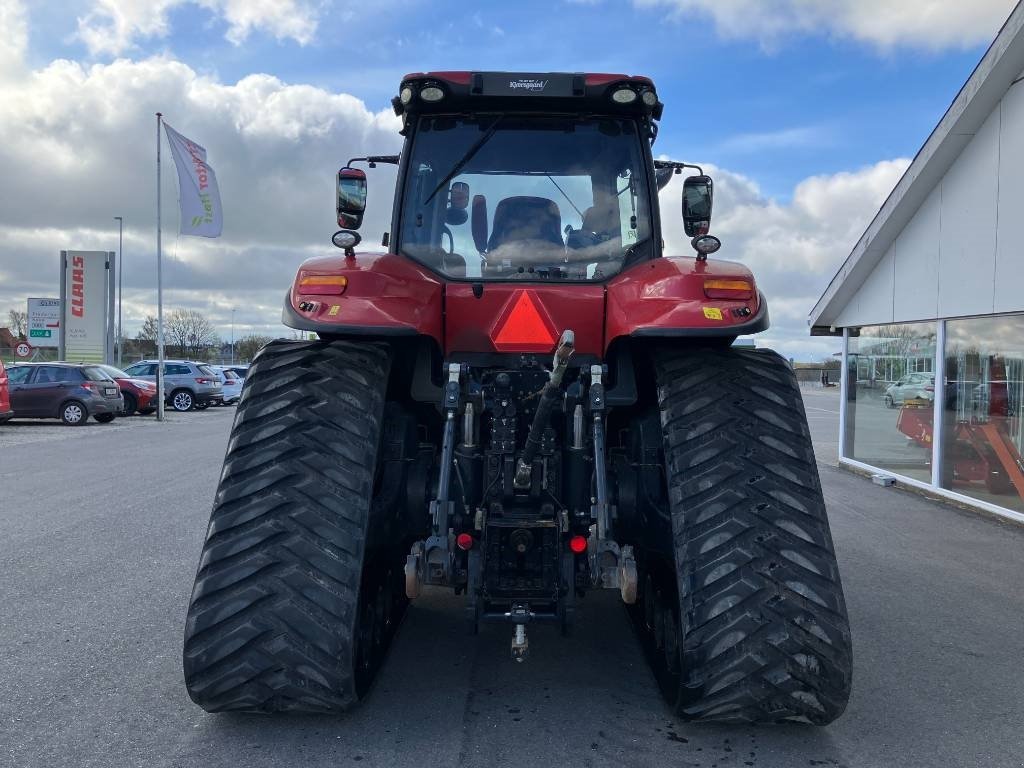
point(230, 382)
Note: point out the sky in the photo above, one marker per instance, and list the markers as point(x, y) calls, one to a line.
point(807, 112)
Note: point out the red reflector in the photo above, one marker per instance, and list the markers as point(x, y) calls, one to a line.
point(578, 544)
point(465, 541)
point(524, 328)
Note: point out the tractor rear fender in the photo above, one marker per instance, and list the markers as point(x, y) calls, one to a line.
point(685, 298)
point(383, 295)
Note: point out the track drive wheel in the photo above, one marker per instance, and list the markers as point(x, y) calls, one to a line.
point(753, 628)
point(294, 602)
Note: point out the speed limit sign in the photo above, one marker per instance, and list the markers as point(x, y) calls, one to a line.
point(24, 349)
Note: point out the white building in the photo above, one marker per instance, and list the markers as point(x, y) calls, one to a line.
point(930, 303)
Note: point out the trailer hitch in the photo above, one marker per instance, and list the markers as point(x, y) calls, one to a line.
point(611, 567)
point(429, 562)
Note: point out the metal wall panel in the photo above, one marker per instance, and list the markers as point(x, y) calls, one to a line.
point(967, 240)
point(1009, 268)
point(917, 268)
point(874, 301)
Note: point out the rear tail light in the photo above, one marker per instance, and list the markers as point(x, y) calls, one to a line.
point(578, 544)
point(92, 386)
point(728, 289)
point(201, 380)
point(464, 541)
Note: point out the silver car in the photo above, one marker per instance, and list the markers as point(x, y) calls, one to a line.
point(913, 386)
point(230, 382)
point(187, 384)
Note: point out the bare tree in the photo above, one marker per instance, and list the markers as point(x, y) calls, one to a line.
point(17, 321)
point(148, 332)
point(190, 333)
point(247, 347)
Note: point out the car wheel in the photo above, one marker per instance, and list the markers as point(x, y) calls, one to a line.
point(182, 400)
point(130, 404)
point(104, 418)
point(73, 413)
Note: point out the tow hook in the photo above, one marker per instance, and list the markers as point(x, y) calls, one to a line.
point(520, 614)
point(413, 582)
point(627, 576)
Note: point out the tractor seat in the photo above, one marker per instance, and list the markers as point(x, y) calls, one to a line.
point(526, 218)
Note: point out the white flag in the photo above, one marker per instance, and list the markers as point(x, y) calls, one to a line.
point(201, 213)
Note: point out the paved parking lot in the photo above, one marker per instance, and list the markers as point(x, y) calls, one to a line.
point(100, 531)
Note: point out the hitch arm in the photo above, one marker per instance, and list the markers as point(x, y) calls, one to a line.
point(549, 396)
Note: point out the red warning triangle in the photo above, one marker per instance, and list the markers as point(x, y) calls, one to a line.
point(525, 327)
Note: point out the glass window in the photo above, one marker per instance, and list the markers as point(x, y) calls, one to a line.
point(505, 197)
point(176, 369)
point(18, 374)
point(141, 369)
point(983, 432)
point(47, 374)
point(891, 398)
point(96, 373)
point(68, 374)
point(206, 370)
point(112, 372)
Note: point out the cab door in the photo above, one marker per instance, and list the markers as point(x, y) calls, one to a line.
point(17, 378)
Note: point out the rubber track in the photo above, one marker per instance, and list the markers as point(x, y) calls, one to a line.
point(270, 626)
point(765, 635)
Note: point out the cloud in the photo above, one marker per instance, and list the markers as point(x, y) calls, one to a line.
point(77, 145)
point(112, 26)
point(803, 137)
point(793, 249)
point(13, 39)
point(925, 24)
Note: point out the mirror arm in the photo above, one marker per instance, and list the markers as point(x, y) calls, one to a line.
point(374, 159)
point(677, 166)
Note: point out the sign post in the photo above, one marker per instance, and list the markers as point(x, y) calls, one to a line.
point(86, 300)
point(44, 322)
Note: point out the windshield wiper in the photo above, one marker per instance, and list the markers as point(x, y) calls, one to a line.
point(465, 158)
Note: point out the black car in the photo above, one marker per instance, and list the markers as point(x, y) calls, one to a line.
point(67, 391)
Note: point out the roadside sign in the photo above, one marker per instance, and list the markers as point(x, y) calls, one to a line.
point(44, 322)
point(24, 349)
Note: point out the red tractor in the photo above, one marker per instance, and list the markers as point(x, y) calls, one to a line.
point(522, 400)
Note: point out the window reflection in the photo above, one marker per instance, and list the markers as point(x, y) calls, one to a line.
point(983, 429)
point(891, 397)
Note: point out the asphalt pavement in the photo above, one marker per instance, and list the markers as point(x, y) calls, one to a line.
point(100, 532)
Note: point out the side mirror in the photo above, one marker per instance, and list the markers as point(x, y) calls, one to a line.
point(458, 201)
point(479, 223)
point(351, 197)
point(697, 197)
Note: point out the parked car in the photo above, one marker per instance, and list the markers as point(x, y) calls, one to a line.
point(5, 400)
point(187, 384)
point(913, 386)
point(139, 394)
point(230, 382)
point(71, 392)
point(240, 369)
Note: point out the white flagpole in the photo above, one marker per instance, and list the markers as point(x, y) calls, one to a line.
point(159, 289)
